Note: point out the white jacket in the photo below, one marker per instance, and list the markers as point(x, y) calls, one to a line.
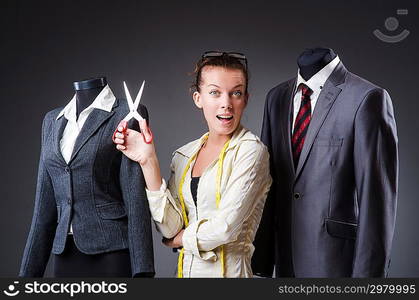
point(245, 183)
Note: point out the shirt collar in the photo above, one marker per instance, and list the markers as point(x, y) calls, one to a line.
point(104, 101)
point(316, 82)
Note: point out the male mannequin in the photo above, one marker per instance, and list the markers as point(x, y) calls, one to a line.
point(90, 210)
point(334, 162)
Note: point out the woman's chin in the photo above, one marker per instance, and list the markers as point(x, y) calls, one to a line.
point(226, 130)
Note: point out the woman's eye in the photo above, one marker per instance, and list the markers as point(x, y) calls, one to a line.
point(213, 92)
point(237, 93)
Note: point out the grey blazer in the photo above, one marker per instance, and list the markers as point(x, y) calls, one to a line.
point(333, 214)
point(100, 191)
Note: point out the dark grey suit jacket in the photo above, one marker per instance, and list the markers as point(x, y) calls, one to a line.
point(333, 215)
point(100, 191)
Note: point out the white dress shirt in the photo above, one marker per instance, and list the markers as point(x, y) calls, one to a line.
point(315, 83)
point(104, 101)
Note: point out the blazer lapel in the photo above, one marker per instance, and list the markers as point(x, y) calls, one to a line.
point(286, 120)
point(95, 119)
point(324, 103)
point(59, 126)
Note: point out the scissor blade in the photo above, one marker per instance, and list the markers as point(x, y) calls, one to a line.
point(128, 117)
point(129, 99)
point(137, 116)
point(138, 98)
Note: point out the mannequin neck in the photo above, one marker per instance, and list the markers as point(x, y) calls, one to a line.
point(312, 61)
point(85, 97)
point(87, 91)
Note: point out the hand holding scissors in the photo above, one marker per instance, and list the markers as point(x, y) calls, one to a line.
point(133, 113)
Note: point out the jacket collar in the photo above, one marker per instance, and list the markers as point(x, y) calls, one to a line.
point(95, 119)
point(104, 101)
point(317, 81)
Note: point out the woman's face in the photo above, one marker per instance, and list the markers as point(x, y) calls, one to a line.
point(222, 98)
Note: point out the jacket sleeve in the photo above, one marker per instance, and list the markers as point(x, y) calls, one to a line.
point(165, 207)
point(44, 221)
point(263, 258)
point(376, 176)
point(246, 188)
point(139, 222)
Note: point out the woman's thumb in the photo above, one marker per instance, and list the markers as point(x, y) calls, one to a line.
point(144, 129)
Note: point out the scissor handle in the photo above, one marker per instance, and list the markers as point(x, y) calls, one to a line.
point(124, 125)
point(150, 133)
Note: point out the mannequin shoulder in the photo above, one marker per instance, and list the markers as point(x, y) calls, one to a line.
point(53, 114)
point(277, 92)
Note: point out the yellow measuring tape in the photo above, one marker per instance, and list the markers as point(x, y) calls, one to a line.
point(217, 202)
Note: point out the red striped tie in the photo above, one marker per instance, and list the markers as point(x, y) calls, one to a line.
point(301, 123)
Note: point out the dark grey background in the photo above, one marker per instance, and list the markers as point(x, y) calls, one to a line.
point(46, 45)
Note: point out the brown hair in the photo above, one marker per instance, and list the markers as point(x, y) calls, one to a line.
point(224, 61)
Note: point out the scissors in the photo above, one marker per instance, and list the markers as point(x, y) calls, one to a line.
point(133, 113)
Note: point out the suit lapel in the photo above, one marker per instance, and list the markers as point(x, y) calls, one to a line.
point(95, 119)
point(324, 103)
point(286, 120)
point(59, 126)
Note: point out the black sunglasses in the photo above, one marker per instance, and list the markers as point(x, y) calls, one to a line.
point(239, 56)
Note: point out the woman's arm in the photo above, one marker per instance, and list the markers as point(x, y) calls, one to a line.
point(152, 175)
point(165, 207)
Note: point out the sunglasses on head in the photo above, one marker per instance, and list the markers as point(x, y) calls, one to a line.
point(239, 56)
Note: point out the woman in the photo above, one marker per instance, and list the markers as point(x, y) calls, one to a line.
point(213, 203)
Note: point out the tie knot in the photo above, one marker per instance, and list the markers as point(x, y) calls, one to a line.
point(305, 90)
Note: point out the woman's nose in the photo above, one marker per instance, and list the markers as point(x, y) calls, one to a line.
point(226, 102)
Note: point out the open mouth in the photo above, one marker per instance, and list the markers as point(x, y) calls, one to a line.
point(225, 118)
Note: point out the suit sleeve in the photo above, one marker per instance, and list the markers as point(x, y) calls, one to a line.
point(376, 176)
point(139, 222)
point(44, 221)
point(263, 259)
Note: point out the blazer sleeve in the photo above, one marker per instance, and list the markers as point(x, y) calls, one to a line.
point(139, 222)
point(44, 221)
point(376, 175)
point(263, 259)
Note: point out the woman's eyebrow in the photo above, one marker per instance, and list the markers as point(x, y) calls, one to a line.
point(239, 85)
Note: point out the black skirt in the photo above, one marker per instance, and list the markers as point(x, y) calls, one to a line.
point(73, 263)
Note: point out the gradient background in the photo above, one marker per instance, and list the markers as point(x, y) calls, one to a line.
point(46, 45)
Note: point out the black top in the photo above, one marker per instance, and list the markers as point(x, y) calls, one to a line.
point(194, 188)
point(194, 191)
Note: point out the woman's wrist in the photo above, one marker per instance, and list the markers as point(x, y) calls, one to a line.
point(148, 162)
point(151, 171)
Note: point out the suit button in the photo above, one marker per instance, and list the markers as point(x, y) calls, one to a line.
point(67, 169)
point(297, 195)
point(69, 201)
